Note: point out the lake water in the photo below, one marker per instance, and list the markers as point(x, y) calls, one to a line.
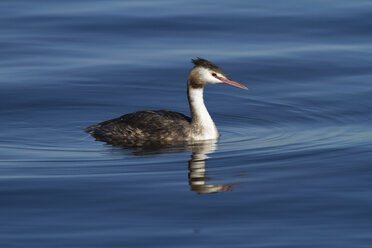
point(293, 166)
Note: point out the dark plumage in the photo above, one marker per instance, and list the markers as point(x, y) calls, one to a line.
point(207, 64)
point(142, 127)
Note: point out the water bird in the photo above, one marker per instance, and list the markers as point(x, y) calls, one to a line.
point(164, 126)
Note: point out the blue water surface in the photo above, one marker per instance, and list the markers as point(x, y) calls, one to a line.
point(291, 169)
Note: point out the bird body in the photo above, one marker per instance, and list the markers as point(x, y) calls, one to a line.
point(164, 126)
point(143, 127)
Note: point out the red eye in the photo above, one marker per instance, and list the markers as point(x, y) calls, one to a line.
point(214, 74)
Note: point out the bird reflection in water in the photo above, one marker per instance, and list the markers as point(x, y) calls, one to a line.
point(198, 180)
point(197, 169)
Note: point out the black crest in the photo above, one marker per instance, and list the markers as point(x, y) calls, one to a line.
point(206, 64)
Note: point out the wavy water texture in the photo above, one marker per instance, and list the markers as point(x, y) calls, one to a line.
point(292, 165)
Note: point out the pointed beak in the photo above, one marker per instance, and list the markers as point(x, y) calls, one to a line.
point(233, 83)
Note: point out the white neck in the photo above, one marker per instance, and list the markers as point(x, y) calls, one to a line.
point(203, 127)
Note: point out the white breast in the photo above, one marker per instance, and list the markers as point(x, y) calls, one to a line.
point(203, 127)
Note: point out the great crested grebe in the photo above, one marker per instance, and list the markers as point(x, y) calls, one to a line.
point(164, 126)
